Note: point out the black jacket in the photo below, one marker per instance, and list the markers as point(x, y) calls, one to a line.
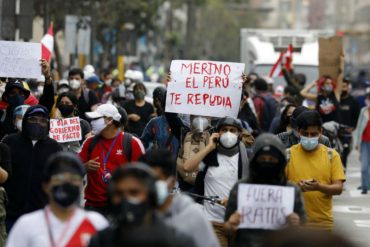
point(24, 186)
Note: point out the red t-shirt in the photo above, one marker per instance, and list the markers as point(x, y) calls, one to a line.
point(96, 189)
point(366, 133)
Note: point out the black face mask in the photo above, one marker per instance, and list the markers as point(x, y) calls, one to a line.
point(66, 110)
point(65, 194)
point(35, 131)
point(15, 100)
point(268, 172)
point(130, 213)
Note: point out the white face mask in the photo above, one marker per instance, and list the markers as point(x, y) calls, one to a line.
point(200, 124)
point(228, 139)
point(18, 124)
point(162, 190)
point(98, 125)
point(75, 84)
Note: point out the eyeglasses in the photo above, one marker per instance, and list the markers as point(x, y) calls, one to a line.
point(40, 120)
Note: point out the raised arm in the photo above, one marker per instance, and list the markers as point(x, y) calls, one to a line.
point(305, 92)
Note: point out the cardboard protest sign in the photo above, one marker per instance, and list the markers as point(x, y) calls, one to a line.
point(20, 59)
point(65, 130)
point(205, 88)
point(264, 206)
point(330, 53)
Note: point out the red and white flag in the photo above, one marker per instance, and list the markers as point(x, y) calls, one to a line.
point(47, 44)
point(285, 60)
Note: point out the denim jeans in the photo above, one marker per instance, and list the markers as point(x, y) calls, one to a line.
point(365, 164)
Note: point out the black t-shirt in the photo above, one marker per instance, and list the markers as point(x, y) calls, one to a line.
point(350, 110)
point(328, 107)
point(144, 112)
point(87, 99)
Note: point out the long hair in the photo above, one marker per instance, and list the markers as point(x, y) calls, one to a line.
point(284, 120)
point(322, 80)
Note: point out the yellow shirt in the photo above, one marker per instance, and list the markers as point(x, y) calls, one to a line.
point(304, 165)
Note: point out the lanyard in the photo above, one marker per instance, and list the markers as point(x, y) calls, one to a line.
point(105, 157)
point(46, 212)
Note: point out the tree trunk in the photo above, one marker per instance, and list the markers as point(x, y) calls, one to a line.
point(58, 57)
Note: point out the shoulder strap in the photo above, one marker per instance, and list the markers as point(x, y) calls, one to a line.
point(92, 144)
point(330, 154)
point(287, 153)
point(127, 147)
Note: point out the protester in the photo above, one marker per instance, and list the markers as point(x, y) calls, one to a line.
point(350, 111)
point(178, 208)
point(66, 108)
point(87, 100)
point(247, 112)
point(317, 170)
point(105, 89)
point(195, 141)
point(264, 103)
point(93, 83)
point(158, 133)
point(267, 167)
point(327, 98)
point(362, 143)
point(131, 78)
point(61, 222)
point(5, 172)
point(290, 138)
point(285, 119)
point(276, 121)
point(221, 163)
point(18, 114)
point(134, 197)
point(29, 149)
point(63, 86)
point(139, 111)
point(103, 153)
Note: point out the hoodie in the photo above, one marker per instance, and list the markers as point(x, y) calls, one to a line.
point(254, 237)
point(187, 217)
point(28, 160)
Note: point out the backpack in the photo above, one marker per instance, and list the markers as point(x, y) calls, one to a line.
point(126, 144)
point(267, 106)
point(191, 147)
point(288, 154)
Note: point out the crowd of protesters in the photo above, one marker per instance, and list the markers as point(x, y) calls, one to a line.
point(141, 176)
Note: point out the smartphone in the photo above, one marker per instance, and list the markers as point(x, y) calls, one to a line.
point(309, 181)
point(215, 140)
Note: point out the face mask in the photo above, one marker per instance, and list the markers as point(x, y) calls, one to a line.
point(65, 194)
point(162, 190)
point(98, 125)
point(268, 171)
point(327, 88)
point(15, 100)
point(66, 110)
point(228, 140)
point(18, 124)
point(75, 84)
point(108, 82)
point(35, 131)
point(130, 211)
point(139, 94)
point(200, 124)
point(309, 144)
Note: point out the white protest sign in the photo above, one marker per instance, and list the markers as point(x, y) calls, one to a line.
point(65, 130)
point(20, 59)
point(264, 206)
point(205, 88)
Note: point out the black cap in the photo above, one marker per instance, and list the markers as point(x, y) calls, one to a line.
point(22, 85)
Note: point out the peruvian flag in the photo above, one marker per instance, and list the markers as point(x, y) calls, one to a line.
point(47, 44)
point(285, 60)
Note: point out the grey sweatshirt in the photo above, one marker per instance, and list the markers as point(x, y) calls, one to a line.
point(187, 216)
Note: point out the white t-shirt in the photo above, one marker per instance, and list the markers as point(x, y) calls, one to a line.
point(219, 182)
point(32, 229)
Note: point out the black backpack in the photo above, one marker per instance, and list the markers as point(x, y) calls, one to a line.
point(126, 144)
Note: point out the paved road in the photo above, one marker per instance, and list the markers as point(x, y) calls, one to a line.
point(351, 209)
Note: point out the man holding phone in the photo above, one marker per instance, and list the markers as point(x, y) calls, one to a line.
point(221, 164)
point(317, 170)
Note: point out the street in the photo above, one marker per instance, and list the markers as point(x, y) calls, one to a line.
point(351, 209)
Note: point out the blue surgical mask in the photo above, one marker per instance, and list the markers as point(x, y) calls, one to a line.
point(309, 143)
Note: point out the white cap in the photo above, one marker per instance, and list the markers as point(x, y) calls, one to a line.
point(105, 110)
point(134, 75)
point(89, 70)
point(63, 82)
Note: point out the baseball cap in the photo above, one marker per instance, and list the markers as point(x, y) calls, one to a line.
point(93, 79)
point(105, 110)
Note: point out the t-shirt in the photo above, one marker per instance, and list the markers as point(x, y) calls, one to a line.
point(96, 189)
point(219, 181)
point(304, 165)
point(349, 110)
point(144, 112)
point(328, 107)
point(84, 106)
point(32, 229)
